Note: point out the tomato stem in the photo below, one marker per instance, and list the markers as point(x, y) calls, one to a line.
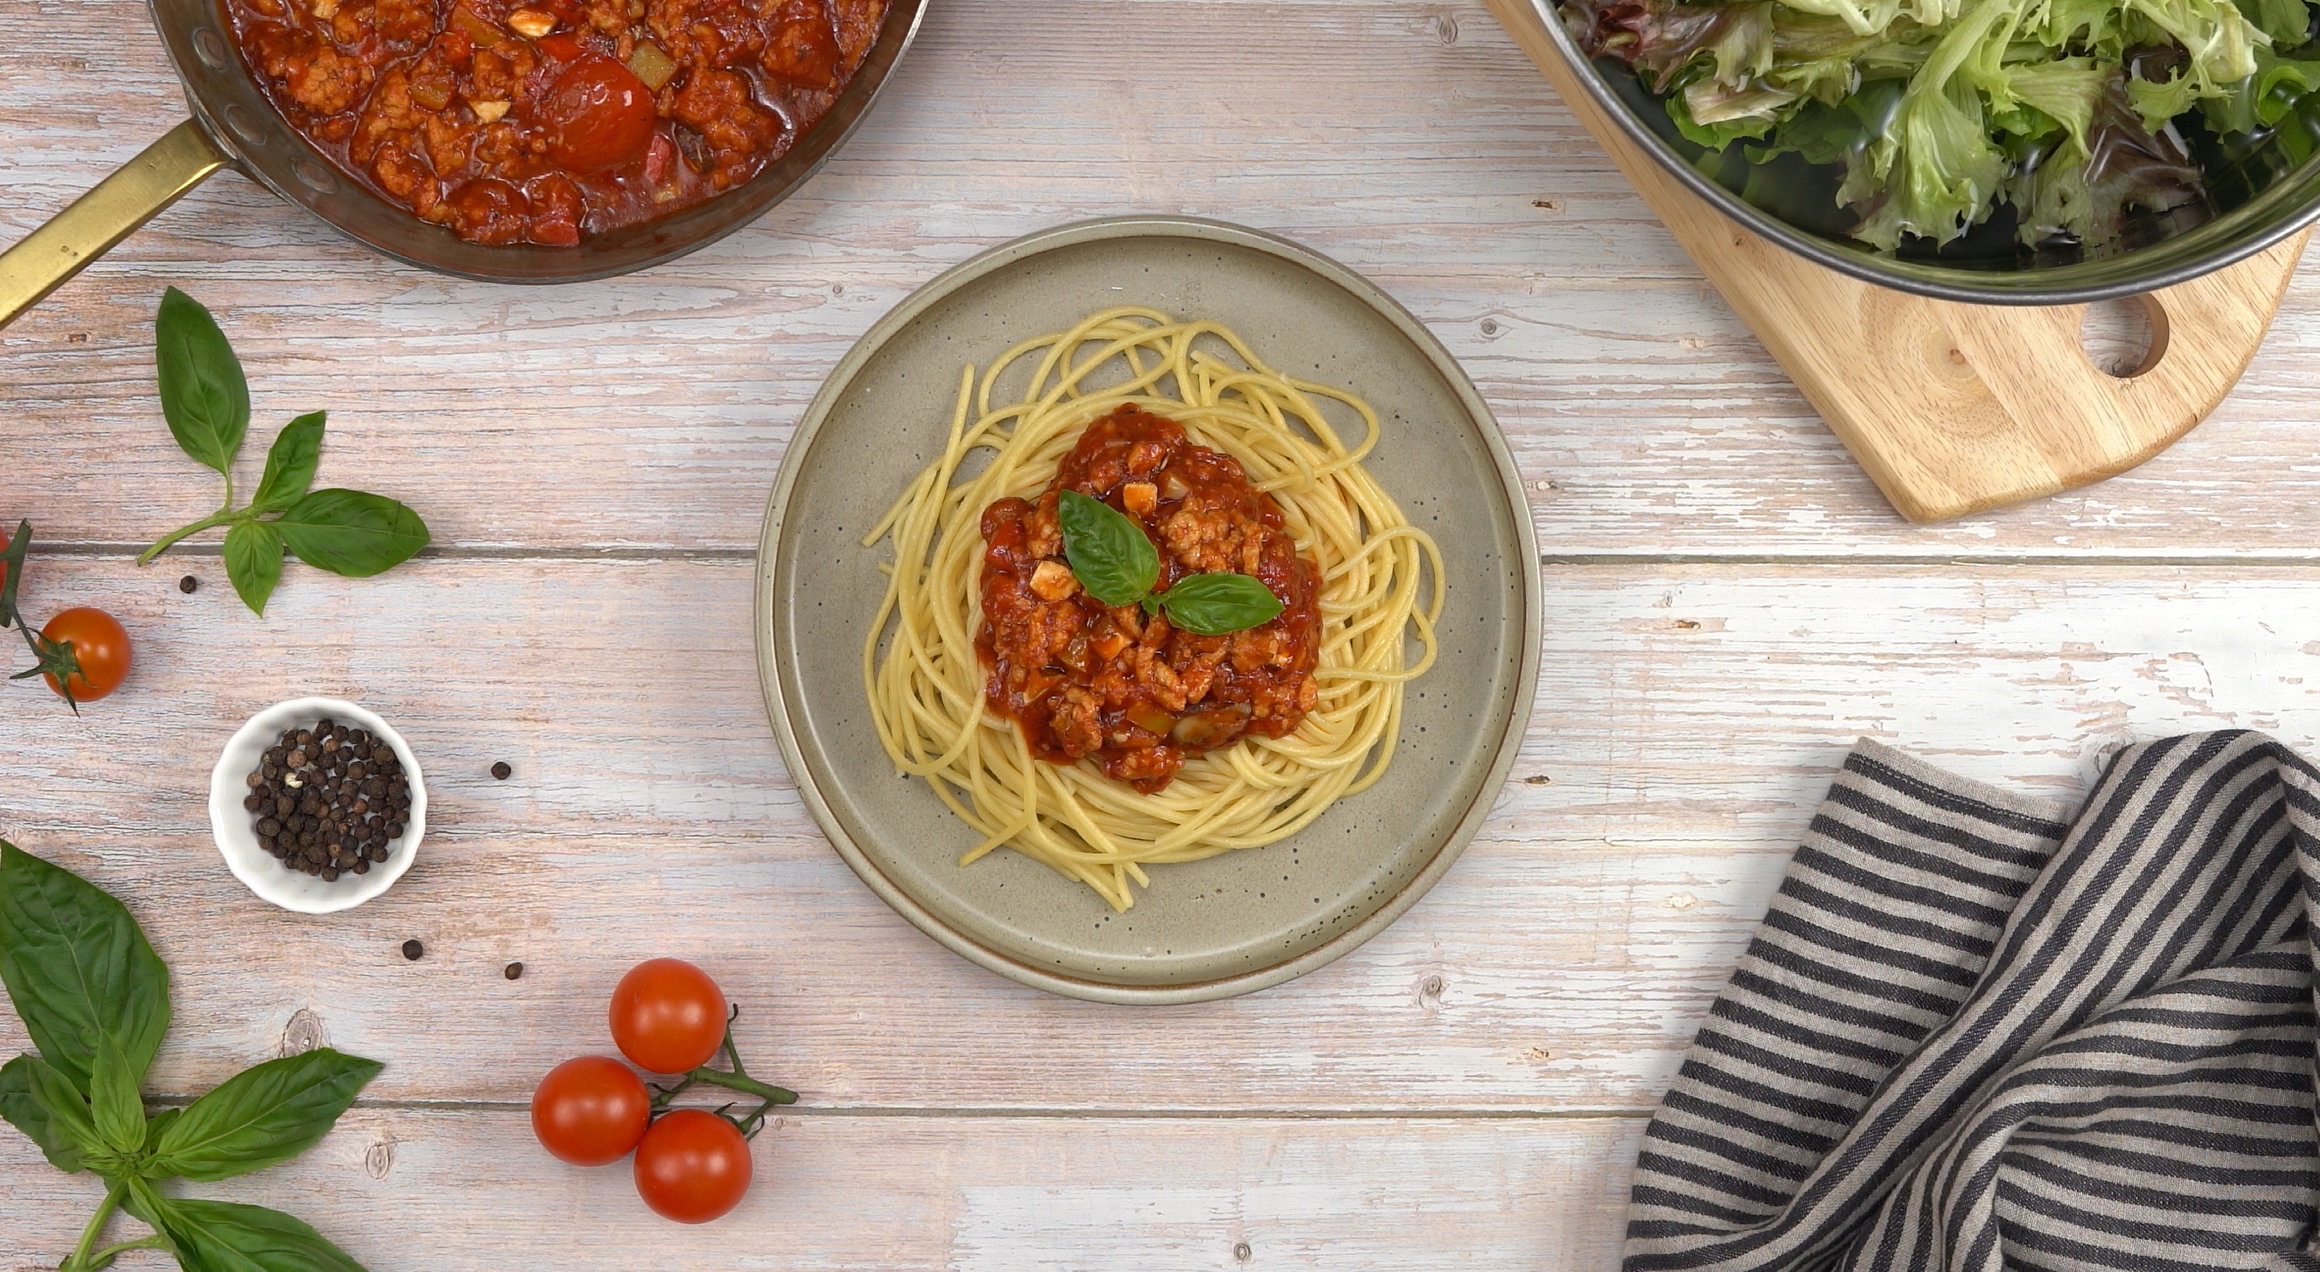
point(54, 659)
point(736, 1079)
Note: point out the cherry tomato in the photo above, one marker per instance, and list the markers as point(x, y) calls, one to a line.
point(3, 567)
point(599, 115)
point(101, 646)
point(590, 1111)
point(668, 1016)
point(692, 1167)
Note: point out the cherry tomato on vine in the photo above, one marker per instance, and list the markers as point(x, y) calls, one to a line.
point(99, 644)
point(668, 1016)
point(692, 1167)
point(599, 115)
point(590, 1111)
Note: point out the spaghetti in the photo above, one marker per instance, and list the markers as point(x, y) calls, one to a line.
point(927, 693)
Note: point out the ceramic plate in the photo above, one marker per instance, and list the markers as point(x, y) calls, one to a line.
point(1235, 922)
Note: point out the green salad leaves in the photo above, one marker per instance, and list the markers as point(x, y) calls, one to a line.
point(2080, 115)
point(207, 403)
point(95, 998)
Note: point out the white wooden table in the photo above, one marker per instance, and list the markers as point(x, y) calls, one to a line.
point(1729, 604)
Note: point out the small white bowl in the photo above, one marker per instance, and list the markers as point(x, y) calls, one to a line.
point(236, 830)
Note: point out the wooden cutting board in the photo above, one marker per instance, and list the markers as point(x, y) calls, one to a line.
point(1954, 408)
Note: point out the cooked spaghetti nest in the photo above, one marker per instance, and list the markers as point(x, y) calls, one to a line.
point(1381, 582)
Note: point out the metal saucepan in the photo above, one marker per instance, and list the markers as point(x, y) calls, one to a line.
point(2286, 205)
point(234, 125)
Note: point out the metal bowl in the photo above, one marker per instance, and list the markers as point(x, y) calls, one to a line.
point(2282, 208)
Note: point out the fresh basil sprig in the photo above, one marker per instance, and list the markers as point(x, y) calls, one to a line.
point(207, 403)
point(95, 998)
point(1115, 561)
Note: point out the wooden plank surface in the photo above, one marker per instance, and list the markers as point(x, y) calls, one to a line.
point(1729, 604)
point(875, 1193)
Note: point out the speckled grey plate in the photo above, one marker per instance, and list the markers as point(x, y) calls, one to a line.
point(1204, 929)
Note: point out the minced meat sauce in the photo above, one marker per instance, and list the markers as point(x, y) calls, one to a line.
point(539, 121)
point(1084, 679)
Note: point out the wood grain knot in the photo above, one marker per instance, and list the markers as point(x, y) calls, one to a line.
point(380, 1158)
point(303, 1033)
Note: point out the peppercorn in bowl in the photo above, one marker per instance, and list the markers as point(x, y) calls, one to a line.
point(317, 805)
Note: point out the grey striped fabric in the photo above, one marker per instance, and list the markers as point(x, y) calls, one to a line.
point(1975, 1034)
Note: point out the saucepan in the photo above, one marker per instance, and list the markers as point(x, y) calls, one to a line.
point(233, 125)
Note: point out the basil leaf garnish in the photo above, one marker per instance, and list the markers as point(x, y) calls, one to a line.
point(77, 967)
point(1108, 553)
point(254, 562)
point(1216, 603)
point(290, 463)
point(29, 1086)
point(203, 395)
point(350, 532)
point(263, 1115)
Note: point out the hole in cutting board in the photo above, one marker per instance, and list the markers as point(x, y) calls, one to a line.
point(2124, 337)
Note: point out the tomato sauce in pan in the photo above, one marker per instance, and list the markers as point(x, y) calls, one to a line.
point(541, 121)
point(1085, 679)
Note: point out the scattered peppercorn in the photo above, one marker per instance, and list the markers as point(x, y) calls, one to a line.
point(412, 949)
point(501, 770)
point(329, 800)
point(188, 584)
point(514, 970)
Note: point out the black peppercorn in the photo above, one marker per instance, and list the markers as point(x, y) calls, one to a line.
point(501, 770)
point(412, 949)
point(331, 812)
point(187, 584)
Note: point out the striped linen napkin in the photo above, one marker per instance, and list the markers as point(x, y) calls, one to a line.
point(1973, 1033)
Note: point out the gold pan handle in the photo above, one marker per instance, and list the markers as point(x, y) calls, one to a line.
point(133, 195)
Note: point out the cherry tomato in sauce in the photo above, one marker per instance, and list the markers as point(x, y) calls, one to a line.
point(599, 115)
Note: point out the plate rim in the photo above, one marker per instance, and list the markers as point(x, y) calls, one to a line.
point(938, 289)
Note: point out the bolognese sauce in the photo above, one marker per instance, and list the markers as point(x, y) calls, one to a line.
point(1083, 679)
point(540, 121)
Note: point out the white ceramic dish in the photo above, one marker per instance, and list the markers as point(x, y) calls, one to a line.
point(237, 836)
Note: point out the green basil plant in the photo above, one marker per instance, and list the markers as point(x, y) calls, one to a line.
point(207, 403)
point(95, 998)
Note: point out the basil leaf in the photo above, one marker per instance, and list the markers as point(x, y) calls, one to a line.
point(290, 463)
point(27, 1113)
point(1109, 554)
point(63, 1110)
point(221, 1236)
point(118, 1111)
point(254, 562)
point(1219, 602)
point(76, 966)
point(158, 1125)
point(263, 1115)
point(351, 533)
point(203, 395)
